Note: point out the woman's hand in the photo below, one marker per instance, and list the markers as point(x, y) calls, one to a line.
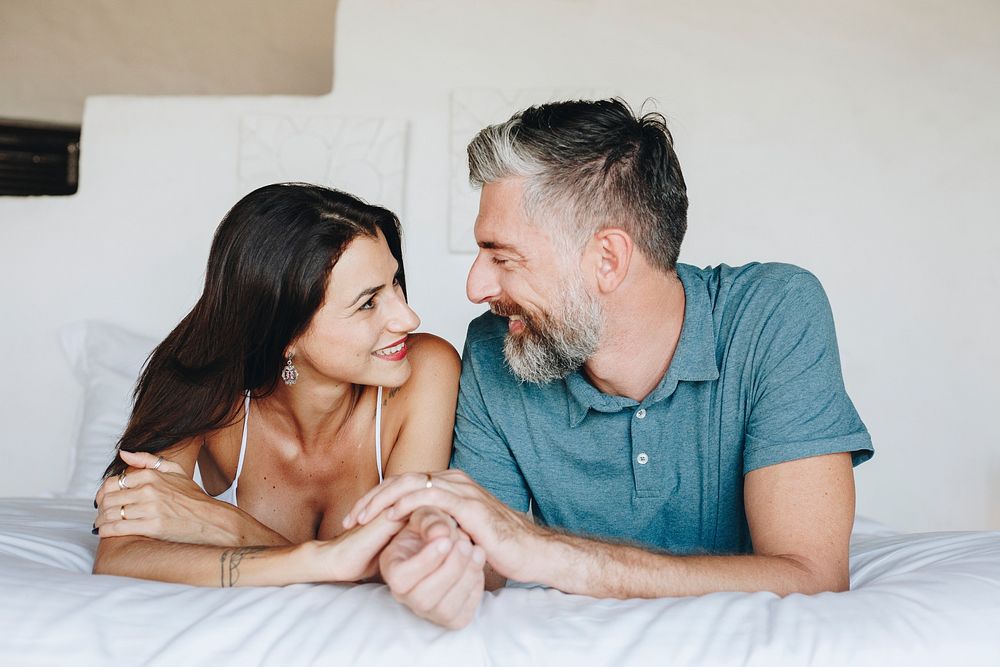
point(353, 555)
point(162, 502)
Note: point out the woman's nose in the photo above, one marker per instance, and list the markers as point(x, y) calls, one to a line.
point(404, 318)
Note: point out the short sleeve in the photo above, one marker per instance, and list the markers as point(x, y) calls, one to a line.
point(798, 404)
point(479, 448)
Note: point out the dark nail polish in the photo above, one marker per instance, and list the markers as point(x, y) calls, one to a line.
point(95, 503)
point(94, 531)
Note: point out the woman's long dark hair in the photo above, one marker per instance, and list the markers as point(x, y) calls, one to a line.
point(267, 275)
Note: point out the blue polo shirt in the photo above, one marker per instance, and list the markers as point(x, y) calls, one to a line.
point(755, 381)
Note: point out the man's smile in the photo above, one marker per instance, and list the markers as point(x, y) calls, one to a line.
point(516, 319)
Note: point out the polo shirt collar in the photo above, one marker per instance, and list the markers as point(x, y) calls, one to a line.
point(694, 358)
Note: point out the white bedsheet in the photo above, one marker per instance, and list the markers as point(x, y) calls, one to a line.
point(924, 599)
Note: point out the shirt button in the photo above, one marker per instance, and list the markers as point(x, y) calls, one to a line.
point(642, 459)
point(640, 413)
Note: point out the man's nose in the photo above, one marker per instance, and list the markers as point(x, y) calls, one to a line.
point(481, 285)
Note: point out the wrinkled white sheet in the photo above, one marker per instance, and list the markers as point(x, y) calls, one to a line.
point(922, 599)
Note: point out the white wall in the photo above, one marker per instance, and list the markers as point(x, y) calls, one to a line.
point(861, 141)
point(54, 53)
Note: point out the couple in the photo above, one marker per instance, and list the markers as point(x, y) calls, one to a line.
point(626, 426)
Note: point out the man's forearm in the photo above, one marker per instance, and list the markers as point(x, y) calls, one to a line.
point(599, 569)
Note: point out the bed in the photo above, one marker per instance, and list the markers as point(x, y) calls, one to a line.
point(917, 599)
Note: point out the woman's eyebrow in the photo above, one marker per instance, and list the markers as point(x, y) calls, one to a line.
point(368, 291)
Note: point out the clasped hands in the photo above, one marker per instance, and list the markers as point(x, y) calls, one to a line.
point(429, 542)
point(436, 563)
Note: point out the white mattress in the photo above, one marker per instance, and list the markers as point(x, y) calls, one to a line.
point(923, 599)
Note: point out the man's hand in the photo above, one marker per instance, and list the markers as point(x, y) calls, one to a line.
point(507, 536)
point(433, 568)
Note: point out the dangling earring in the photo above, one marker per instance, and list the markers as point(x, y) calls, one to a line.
point(290, 374)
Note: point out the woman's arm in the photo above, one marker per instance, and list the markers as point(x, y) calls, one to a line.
point(152, 529)
point(349, 557)
point(431, 566)
point(166, 504)
point(425, 407)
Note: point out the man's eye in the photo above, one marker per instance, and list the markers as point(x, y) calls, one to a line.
point(499, 261)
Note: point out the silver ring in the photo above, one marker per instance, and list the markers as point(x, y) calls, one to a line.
point(156, 466)
point(121, 482)
point(122, 512)
point(430, 482)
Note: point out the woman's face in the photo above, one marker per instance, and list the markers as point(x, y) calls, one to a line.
point(359, 333)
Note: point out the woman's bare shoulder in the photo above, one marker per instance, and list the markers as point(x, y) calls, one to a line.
point(422, 410)
point(430, 352)
point(435, 369)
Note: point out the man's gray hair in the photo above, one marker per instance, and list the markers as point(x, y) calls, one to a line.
point(590, 166)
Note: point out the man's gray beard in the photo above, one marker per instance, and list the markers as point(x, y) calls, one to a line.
point(552, 347)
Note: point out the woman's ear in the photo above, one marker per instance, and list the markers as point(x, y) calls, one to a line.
point(611, 250)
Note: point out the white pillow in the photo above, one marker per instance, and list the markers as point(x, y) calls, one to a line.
point(106, 359)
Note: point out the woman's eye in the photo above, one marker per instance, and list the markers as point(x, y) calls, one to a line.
point(368, 305)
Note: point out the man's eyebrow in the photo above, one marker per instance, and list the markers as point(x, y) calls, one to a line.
point(493, 245)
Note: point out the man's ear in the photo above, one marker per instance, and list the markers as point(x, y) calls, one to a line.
point(611, 252)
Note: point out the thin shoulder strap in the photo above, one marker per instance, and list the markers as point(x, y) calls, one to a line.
point(243, 444)
point(378, 433)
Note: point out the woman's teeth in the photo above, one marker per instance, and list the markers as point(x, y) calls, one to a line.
point(389, 351)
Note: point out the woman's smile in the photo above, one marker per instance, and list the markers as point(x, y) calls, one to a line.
point(395, 352)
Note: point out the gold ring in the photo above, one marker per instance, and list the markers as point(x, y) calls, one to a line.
point(122, 512)
point(430, 482)
point(156, 466)
point(121, 482)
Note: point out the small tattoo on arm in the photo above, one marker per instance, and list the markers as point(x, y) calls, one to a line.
point(229, 564)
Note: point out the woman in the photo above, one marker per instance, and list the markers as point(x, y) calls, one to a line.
point(288, 391)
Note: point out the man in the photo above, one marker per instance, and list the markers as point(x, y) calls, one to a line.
point(672, 430)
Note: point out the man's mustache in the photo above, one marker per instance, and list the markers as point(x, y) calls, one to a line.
point(505, 308)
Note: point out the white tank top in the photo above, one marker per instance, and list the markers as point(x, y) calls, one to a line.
point(229, 495)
